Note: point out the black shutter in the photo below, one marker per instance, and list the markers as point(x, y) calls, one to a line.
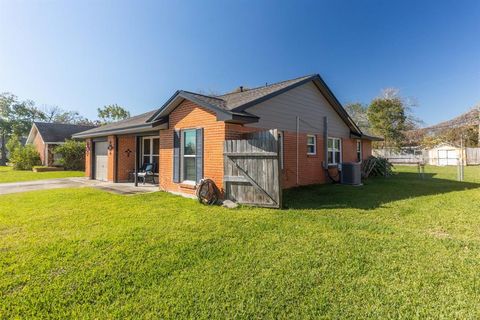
point(199, 155)
point(176, 156)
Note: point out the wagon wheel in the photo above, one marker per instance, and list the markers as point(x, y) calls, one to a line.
point(207, 192)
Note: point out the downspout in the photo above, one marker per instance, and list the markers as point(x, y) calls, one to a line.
point(298, 129)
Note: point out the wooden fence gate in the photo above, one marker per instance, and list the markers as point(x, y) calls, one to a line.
point(251, 173)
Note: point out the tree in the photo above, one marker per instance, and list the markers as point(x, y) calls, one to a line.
point(112, 112)
point(16, 118)
point(72, 155)
point(22, 157)
point(56, 114)
point(358, 112)
point(388, 118)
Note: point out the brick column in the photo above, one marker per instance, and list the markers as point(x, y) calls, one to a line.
point(88, 158)
point(112, 163)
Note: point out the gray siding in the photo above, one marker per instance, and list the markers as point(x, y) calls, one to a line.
point(306, 102)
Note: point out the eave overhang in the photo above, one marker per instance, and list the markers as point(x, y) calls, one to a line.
point(155, 125)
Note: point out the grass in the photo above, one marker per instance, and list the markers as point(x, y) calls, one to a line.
point(400, 247)
point(9, 175)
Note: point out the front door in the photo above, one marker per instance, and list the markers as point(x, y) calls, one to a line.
point(151, 151)
point(101, 161)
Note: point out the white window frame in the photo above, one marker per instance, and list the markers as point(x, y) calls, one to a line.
point(333, 149)
point(182, 148)
point(359, 150)
point(314, 144)
point(151, 154)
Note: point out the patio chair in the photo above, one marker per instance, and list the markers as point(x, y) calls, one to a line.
point(132, 173)
point(147, 172)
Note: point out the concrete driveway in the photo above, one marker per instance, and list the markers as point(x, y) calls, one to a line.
point(118, 188)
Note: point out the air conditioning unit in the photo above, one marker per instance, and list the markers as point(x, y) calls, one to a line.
point(351, 173)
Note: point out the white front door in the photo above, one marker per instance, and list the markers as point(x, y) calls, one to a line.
point(101, 168)
point(101, 161)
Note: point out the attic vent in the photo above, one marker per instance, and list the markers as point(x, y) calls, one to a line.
point(240, 89)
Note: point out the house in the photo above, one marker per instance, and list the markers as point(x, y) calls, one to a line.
point(46, 136)
point(185, 137)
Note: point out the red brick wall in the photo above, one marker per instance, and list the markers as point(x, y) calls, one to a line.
point(366, 148)
point(188, 116)
point(88, 155)
point(237, 131)
point(126, 160)
point(310, 170)
point(349, 150)
point(40, 147)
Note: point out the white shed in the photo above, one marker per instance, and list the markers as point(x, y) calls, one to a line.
point(445, 155)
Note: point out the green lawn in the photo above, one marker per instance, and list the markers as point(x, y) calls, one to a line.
point(400, 247)
point(9, 175)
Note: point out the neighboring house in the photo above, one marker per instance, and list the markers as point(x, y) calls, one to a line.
point(185, 136)
point(46, 136)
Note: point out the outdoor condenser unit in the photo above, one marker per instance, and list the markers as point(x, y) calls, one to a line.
point(351, 173)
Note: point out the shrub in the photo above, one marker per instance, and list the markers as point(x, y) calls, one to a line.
point(72, 155)
point(376, 166)
point(22, 157)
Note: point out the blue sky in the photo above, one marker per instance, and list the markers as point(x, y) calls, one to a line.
point(83, 55)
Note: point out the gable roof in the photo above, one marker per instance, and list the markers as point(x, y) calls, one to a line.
point(137, 123)
point(242, 100)
point(56, 132)
point(231, 107)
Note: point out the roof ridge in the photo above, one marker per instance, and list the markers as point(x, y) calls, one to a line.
point(269, 85)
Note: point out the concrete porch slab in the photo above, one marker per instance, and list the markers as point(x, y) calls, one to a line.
point(125, 188)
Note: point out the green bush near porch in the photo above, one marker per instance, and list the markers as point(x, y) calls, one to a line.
point(400, 247)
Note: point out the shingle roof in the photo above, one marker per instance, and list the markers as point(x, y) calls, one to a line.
point(134, 121)
point(235, 100)
point(58, 132)
point(230, 106)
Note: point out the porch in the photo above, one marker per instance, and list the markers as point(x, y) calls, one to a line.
point(118, 159)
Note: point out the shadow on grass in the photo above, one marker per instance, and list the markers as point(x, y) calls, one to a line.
point(375, 193)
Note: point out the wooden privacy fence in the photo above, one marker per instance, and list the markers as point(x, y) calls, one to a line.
point(251, 173)
point(472, 155)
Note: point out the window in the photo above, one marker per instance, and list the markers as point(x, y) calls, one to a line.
point(334, 151)
point(189, 155)
point(150, 151)
point(359, 150)
point(311, 145)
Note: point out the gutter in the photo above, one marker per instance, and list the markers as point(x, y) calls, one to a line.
point(124, 130)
